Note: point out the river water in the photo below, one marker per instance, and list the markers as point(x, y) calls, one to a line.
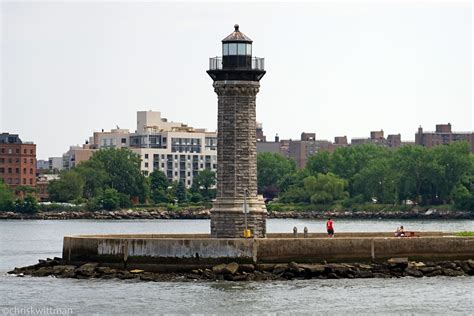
point(23, 242)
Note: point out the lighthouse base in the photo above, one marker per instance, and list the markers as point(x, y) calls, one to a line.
point(228, 218)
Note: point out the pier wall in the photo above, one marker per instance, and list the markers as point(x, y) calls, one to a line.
point(201, 250)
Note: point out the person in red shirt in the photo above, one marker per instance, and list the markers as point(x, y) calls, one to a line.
point(330, 227)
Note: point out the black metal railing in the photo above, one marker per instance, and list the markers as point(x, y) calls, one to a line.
point(256, 63)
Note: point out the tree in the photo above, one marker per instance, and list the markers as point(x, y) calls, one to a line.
point(67, 188)
point(272, 170)
point(325, 188)
point(94, 175)
point(27, 205)
point(378, 181)
point(202, 184)
point(6, 198)
point(158, 180)
point(110, 199)
point(180, 191)
point(319, 163)
point(118, 169)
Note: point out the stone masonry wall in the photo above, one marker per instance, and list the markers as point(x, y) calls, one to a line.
point(237, 160)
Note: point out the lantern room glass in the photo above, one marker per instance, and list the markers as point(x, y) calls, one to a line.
point(234, 49)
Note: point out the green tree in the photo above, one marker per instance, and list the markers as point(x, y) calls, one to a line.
point(94, 175)
point(325, 188)
point(180, 191)
point(319, 163)
point(158, 180)
point(202, 184)
point(27, 205)
point(122, 167)
point(110, 199)
point(377, 180)
point(272, 170)
point(67, 188)
point(6, 197)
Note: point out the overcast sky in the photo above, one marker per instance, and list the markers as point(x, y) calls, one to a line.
point(69, 69)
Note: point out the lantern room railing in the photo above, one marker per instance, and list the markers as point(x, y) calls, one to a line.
point(256, 63)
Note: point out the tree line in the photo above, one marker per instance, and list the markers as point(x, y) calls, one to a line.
point(112, 179)
point(373, 174)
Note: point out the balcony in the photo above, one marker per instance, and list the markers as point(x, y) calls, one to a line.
point(256, 63)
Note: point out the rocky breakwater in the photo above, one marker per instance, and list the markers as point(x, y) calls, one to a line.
point(120, 214)
point(387, 214)
point(392, 268)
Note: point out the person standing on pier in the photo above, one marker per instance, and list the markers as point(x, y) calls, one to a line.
point(330, 228)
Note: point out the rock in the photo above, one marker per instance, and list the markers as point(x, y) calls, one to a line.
point(280, 268)
point(238, 278)
point(66, 271)
point(398, 261)
point(136, 271)
point(314, 269)
point(42, 271)
point(125, 275)
point(470, 262)
point(265, 267)
point(447, 265)
point(249, 268)
point(381, 275)
point(87, 269)
point(332, 276)
point(364, 274)
point(434, 273)
point(231, 268)
point(208, 274)
point(451, 272)
point(219, 269)
point(295, 268)
point(415, 264)
point(413, 272)
point(146, 276)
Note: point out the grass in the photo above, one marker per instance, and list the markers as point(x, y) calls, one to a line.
point(465, 234)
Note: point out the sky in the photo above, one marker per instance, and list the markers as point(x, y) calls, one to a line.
point(333, 68)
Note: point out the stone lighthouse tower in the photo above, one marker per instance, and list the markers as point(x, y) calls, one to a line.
point(236, 78)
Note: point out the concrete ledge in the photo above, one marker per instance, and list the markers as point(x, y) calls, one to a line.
point(201, 250)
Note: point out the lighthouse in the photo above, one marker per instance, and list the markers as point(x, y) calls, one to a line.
point(236, 76)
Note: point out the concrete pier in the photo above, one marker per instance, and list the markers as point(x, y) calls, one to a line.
point(157, 252)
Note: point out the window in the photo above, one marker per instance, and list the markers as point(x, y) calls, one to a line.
point(9, 181)
point(31, 170)
point(31, 181)
point(17, 181)
point(24, 151)
point(24, 170)
point(241, 47)
point(31, 151)
point(17, 160)
point(124, 140)
point(3, 150)
point(31, 160)
point(10, 151)
point(2, 170)
point(225, 50)
point(2, 160)
point(249, 49)
point(24, 180)
point(9, 170)
point(233, 49)
point(10, 160)
point(17, 170)
point(146, 156)
point(146, 164)
point(24, 160)
point(17, 150)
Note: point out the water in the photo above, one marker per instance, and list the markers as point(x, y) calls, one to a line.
point(23, 242)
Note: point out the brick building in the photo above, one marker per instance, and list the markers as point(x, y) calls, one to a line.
point(17, 161)
point(443, 135)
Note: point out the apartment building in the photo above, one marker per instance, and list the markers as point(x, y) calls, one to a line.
point(443, 135)
point(17, 161)
point(180, 151)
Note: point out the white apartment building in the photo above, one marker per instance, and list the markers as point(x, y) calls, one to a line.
point(176, 149)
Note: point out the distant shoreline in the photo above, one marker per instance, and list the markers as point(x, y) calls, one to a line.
point(205, 214)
